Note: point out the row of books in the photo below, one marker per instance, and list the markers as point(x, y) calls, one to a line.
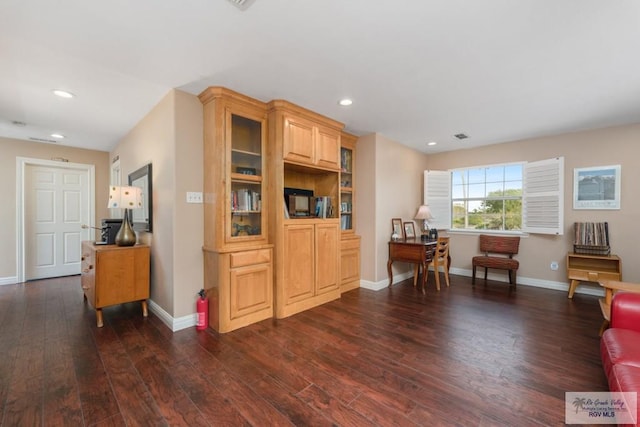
point(246, 200)
point(323, 208)
point(591, 233)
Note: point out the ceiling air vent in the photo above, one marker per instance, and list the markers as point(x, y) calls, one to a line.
point(242, 4)
point(461, 136)
point(43, 140)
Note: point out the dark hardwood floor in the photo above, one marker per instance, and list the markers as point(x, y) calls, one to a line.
point(483, 356)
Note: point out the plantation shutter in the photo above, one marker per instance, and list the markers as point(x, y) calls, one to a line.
point(437, 194)
point(543, 197)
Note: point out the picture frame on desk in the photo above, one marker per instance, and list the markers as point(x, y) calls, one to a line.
point(396, 228)
point(409, 230)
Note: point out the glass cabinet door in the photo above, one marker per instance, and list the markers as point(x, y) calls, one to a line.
point(346, 188)
point(246, 177)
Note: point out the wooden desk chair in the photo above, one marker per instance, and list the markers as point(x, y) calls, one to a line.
point(441, 258)
point(610, 288)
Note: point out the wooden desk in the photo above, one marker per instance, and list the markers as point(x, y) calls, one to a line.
point(414, 251)
point(592, 268)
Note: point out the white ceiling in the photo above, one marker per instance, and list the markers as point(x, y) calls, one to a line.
point(417, 71)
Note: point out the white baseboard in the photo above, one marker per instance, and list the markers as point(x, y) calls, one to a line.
point(521, 280)
point(8, 280)
point(175, 324)
point(382, 284)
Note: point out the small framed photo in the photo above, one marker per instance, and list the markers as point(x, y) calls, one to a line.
point(596, 187)
point(409, 230)
point(396, 228)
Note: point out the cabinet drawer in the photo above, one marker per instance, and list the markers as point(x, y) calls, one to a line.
point(349, 244)
point(592, 276)
point(240, 259)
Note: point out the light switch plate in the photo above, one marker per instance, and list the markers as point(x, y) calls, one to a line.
point(194, 197)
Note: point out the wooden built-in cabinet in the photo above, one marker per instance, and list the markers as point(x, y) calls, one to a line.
point(350, 243)
point(238, 259)
point(260, 260)
point(304, 153)
point(114, 275)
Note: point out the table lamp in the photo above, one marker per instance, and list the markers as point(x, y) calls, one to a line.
point(125, 198)
point(424, 213)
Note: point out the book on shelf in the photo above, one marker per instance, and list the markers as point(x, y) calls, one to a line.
point(345, 222)
point(323, 208)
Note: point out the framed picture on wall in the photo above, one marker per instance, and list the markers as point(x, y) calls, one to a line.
point(409, 230)
point(596, 187)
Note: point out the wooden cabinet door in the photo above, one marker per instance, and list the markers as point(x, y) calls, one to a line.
point(298, 262)
point(251, 290)
point(327, 148)
point(298, 140)
point(349, 261)
point(114, 277)
point(327, 257)
point(122, 275)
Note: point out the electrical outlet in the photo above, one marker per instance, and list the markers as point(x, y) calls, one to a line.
point(194, 197)
point(554, 265)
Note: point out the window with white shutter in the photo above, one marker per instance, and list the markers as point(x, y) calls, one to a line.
point(541, 197)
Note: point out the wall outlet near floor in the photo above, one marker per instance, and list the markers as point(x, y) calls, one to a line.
point(554, 265)
point(194, 197)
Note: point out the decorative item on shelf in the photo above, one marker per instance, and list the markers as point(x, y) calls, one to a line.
point(246, 171)
point(125, 198)
point(396, 229)
point(424, 214)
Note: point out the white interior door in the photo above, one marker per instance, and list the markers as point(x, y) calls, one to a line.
point(55, 207)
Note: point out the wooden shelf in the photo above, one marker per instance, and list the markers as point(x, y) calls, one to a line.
point(592, 268)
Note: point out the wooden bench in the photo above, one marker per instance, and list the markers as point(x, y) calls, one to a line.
point(498, 252)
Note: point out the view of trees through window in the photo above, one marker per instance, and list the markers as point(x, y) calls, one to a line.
point(487, 198)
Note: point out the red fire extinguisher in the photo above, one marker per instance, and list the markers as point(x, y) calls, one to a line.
point(202, 307)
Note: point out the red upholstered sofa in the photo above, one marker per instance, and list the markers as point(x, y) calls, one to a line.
point(620, 344)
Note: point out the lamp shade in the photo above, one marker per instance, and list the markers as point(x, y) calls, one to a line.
point(124, 197)
point(424, 213)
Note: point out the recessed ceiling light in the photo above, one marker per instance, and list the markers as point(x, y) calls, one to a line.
point(62, 93)
point(345, 102)
point(57, 136)
point(242, 4)
point(431, 143)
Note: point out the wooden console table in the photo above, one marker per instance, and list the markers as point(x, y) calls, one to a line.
point(592, 268)
point(414, 251)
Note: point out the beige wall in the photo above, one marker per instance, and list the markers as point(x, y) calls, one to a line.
point(12, 148)
point(611, 146)
point(170, 138)
point(388, 186)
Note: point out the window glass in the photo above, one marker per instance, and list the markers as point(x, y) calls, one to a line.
point(487, 198)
